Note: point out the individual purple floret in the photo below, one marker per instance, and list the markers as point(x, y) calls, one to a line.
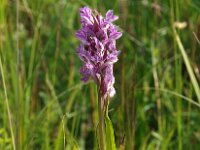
point(98, 48)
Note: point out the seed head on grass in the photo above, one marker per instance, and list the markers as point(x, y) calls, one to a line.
point(97, 50)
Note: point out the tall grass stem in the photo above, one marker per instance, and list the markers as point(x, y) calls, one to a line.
point(7, 106)
point(101, 122)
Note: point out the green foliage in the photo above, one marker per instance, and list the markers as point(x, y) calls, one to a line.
point(110, 137)
point(156, 78)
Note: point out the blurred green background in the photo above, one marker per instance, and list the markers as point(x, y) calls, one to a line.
point(43, 103)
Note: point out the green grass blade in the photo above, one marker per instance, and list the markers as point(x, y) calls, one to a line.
point(110, 137)
point(188, 66)
point(7, 106)
point(169, 137)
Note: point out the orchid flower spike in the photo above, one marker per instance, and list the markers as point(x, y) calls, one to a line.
point(97, 50)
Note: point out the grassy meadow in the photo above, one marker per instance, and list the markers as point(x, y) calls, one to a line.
point(43, 103)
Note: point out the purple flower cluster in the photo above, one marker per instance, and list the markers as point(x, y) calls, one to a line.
point(98, 48)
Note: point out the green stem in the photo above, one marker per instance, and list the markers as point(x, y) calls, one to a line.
point(7, 106)
point(18, 117)
point(178, 84)
point(101, 122)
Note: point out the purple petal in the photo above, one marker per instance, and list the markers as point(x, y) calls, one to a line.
point(110, 17)
point(86, 16)
point(98, 45)
point(112, 58)
point(112, 92)
point(115, 35)
point(82, 36)
point(107, 81)
point(86, 71)
point(112, 45)
point(83, 54)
